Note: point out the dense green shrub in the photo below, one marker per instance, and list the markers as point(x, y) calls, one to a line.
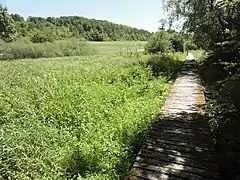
point(166, 64)
point(25, 49)
point(39, 37)
point(189, 45)
point(7, 25)
point(178, 41)
point(47, 34)
point(95, 36)
point(160, 42)
point(167, 41)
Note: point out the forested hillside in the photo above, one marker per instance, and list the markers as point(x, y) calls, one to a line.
point(51, 28)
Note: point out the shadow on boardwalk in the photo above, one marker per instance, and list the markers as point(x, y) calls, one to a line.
point(177, 147)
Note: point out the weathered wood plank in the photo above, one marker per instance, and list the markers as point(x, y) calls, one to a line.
point(194, 151)
point(149, 174)
point(183, 135)
point(188, 147)
point(179, 124)
point(201, 157)
point(170, 166)
point(166, 172)
point(179, 159)
point(185, 119)
point(174, 129)
point(182, 143)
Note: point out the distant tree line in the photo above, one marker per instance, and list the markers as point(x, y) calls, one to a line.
point(52, 28)
point(41, 29)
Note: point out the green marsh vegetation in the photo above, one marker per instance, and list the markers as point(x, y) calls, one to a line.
point(76, 117)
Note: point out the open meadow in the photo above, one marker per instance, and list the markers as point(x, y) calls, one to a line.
point(78, 117)
point(116, 46)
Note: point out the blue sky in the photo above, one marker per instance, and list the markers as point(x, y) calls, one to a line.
point(143, 14)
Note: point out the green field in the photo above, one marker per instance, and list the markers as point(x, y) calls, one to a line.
point(76, 117)
point(116, 46)
point(24, 48)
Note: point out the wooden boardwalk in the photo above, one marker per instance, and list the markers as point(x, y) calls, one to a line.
point(179, 145)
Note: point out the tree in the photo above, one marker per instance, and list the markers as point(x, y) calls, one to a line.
point(22, 28)
point(214, 23)
point(7, 27)
point(41, 37)
point(177, 41)
point(17, 18)
point(89, 29)
point(160, 42)
point(79, 27)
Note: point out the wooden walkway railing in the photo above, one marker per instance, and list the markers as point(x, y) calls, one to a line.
point(179, 145)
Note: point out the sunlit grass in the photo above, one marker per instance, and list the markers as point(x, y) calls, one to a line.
point(73, 117)
point(116, 46)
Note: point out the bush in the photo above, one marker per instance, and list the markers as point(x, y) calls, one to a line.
point(38, 37)
point(2, 44)
point(177, 41)
point(168, 41)
point(165, 64)
point(190, 46)
point(95, 36)
point(25, 49)
point(160, 42)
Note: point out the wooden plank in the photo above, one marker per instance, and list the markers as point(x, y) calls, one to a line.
point(177, 168)
point(194, 93)
point(173, 103)
point(177, 110)
point(186, 120)
point(188, 147)
point(182, 130)
point(183, 143)
point(148, 174)
point(174, 172)
point(198, 156)
point(180, 124)
point(179, 160)
point(187, 85)
point(181, 137)
point(194, 152)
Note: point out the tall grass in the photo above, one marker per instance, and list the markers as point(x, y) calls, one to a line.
point(78, 117)
point(24, 48)
point(119, 47)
